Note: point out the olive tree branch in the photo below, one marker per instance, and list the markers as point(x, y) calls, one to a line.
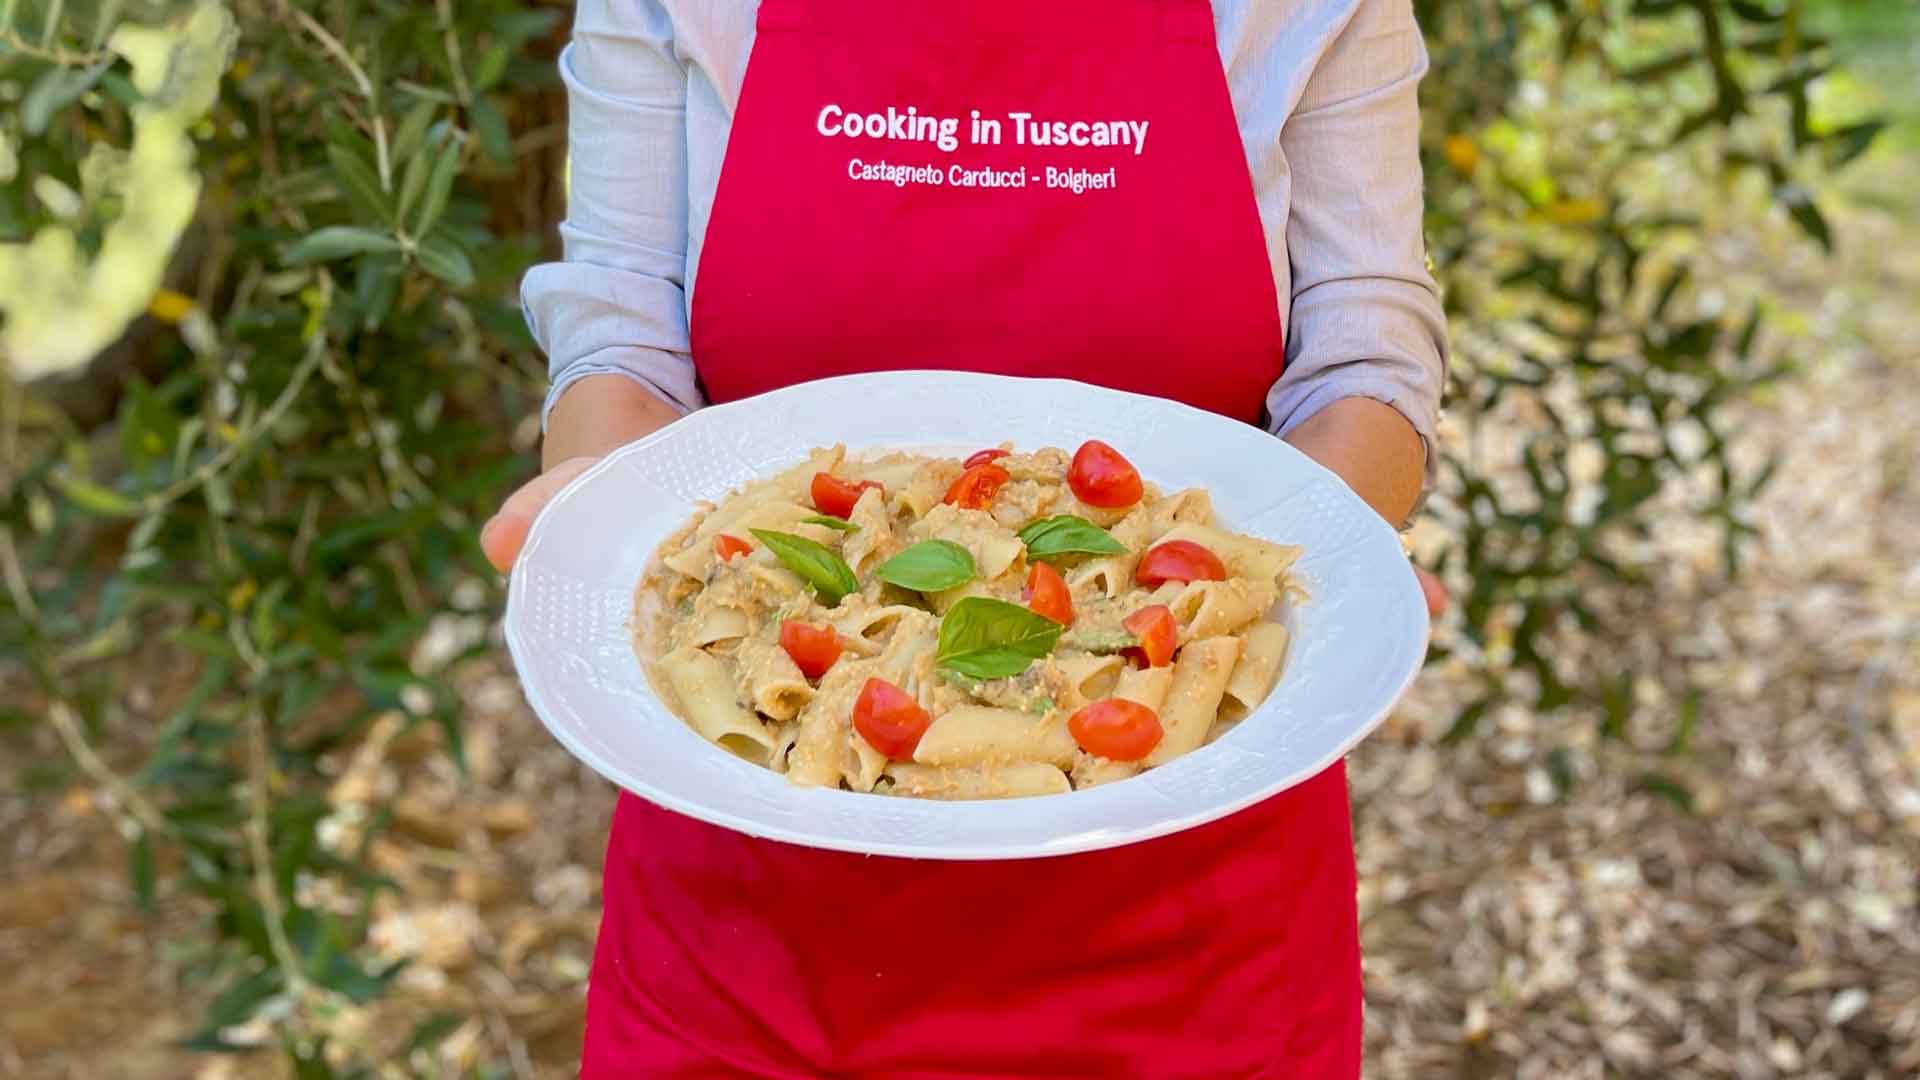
point(67, 723)
point(213, 466)
point(52, 54)
point(360, 82)
point(260, 850)
point(454, 62)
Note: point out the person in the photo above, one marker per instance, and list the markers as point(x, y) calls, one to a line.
point(1216, 203)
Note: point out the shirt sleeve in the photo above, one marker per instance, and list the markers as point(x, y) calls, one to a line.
point(1365, 318)
point(618, 302)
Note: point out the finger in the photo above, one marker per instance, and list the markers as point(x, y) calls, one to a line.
point(504, 534)
point(1435, 592)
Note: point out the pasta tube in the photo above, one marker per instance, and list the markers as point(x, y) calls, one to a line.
point(1004, 782)
point(1200, 675)
point(775, 685)
point(1259, 668)
point(1245, 556)
point(982, 735)
point(1147, 686)
point(705, 689)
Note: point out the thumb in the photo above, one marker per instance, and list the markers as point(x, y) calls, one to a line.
point(1435, 592)
point(504, 533)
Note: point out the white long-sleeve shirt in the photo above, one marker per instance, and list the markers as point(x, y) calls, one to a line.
point(1324, 92)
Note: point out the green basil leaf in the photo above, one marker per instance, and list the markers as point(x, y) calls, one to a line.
point(929, 566)
point(830, 522)
point(992, 639)
point(1066, 534)
point(819, 567)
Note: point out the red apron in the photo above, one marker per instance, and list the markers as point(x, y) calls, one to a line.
point(1229, 950)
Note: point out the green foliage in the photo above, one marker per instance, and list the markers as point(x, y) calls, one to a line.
point(306, 437)
point(1593, 370)
point(322, 406)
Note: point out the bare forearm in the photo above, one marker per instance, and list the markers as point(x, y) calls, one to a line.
point(599, 414)
point(1372, 447)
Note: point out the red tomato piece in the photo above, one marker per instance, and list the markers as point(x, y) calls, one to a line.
point(813, 648)
point(726, 547)
point(1178, 560)
point(1116, 728)
point(832, 495)
point(889, 719)
point(1153, 625)
point(1047, 594)
point(1100, 477)
point(977, 486)
point(984, 456)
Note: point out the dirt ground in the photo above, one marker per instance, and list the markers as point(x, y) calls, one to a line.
point(1769, 930)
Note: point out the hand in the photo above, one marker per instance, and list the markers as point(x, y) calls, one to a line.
point(1436, 593)
point(595, 416)
point(1376, 451)
point(506, 532)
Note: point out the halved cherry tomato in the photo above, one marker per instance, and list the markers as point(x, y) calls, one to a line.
point(1178, 560)
point(1116, 728)
point(1100, 477)
point(813, 648)
point(832, 495)
point(890, 720)
point(1153, 625)
point(726, 547)
point(1047, 594)
point(983, 456)
point(977, 486)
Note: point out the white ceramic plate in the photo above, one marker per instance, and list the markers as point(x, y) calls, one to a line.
point(1358, 641)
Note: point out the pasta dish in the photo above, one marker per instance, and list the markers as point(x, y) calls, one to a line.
point(1008, 624)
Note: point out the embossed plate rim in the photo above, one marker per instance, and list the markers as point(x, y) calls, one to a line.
point(1159, 802)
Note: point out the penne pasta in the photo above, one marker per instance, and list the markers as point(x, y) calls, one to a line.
point(783, 736)
point(1146, 686)
point(1190, 506)
point(1089, 677)
point(873, 541)
point(822, 756)
point(1205, 609)
point(705, 689)
point(865, 628)
point(928, 486)
point(1259, 667)
point(1200, 675)
point(1110, 576)
point(774, 683)
point(1245, 556)
point(1005, 782)
point(957, 678)
point(980, 735)
point(716, 626)
point(892, 471)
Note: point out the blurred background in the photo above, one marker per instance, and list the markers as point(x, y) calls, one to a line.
point(270, 802)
